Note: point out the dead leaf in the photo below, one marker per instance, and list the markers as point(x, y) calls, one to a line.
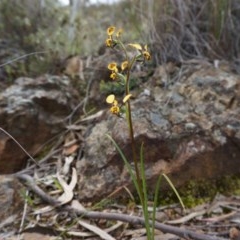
point(70, 149)
point(67, 195)
point(67, 164)
point(96, 230)
point(187, 217)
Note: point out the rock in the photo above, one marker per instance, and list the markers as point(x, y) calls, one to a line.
point(190, 130)
point(11, 199)
point(32, 111)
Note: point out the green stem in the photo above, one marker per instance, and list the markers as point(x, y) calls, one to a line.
point(130, 125)
point(124, 50)
point(131, 133)
point(134, 154)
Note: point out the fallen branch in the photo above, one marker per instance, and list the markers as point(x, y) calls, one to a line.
point(184, 233)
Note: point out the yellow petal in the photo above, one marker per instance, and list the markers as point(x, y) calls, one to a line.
point(109, 42)
point(115, 103)
point(113, 75)
point(115, 110)
point(124, 65)
point(112, 66)
point(110, 30)
point(110, 98)
point(146, 55)
point(126, 98)
point(136, 45)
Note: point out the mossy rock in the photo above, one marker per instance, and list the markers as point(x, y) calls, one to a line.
point(197, 192)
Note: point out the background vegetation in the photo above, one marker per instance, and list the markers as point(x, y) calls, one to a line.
point(175, 30)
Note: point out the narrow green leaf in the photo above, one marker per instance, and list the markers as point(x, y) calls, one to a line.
point(156, 195)
point(145, 196)
point(174, 189)
point(127, 164)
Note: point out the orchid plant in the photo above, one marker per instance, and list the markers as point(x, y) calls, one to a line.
point(121, 72)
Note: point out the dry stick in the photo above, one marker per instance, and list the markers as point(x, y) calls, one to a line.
point(21, 57)
point(187, 234)
point(29, 182)
point(184, 233)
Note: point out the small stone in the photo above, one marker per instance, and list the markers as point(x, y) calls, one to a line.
point(190, 126)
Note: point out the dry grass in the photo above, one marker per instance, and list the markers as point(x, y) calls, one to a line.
point(193, 29)
point(175, 29)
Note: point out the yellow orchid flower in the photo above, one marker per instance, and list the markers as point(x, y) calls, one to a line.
point(110, 31)
point(146, 53)
point(113, 67)
point(109, 42)
point(113, 75)
point(115, 110)
point(136, 46)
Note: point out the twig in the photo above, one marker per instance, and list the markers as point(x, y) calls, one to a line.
point(29, 182)
point(187, 217)
point(220, 218)
point(21, 57)
point(184, 233)
point(23, 215)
